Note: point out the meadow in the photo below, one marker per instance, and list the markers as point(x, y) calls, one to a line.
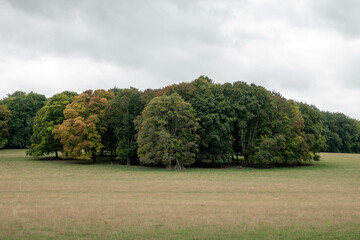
point(72, 199)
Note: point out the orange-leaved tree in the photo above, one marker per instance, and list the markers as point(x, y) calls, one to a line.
point(80, 133)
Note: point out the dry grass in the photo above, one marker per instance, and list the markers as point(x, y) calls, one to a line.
point(71, 200)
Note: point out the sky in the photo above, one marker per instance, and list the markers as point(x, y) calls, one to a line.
point(307, 50)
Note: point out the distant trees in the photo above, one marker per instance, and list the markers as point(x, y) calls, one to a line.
point(267, 129)
point(23, 108)
point(248, 120)
point(313, 121)
point(285, 143)
point(341, 132)
point(119, 116)
point(253, 107)
point(214, 112)
point(43, 141)
point(167, 132)
point(5, 115)
point(80, 133)
point(213, 109)
point(198, 122)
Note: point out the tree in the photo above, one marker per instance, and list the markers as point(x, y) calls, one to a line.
point(80, 133)
point(215, 114)
point(43, 141)
point(119, 116)
point(167, 132)
point(23, 108)
point(313, 121)
point(286, 143)
point(341, 132)
point(356, 147)
point(5, 115)
point(253, 107)
point(213, 109)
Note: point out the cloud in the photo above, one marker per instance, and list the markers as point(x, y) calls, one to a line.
point(50, 75)
point(341, 15)
point(307, 50)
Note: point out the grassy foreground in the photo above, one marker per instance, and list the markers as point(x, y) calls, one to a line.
point(47, 199)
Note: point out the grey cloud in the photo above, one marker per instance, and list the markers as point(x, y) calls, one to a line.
point(350, 73)
point(138, 34)
point(341, 15)
point(160, 42)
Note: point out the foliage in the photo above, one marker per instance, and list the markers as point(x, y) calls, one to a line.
point(80, 137)
point(23, 108)
point(286, 145)
point(149, 94)
point(5, 115)
point(313, 121)
point(213, 109)
point(43, 141)
point(253, 107)
point(80, 133)
point(119, 116)
point(341, 132)
point(232, 119)
point(167, 132)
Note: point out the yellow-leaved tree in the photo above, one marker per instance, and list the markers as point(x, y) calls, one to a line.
point(80, 133)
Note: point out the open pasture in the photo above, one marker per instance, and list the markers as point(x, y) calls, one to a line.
point(55, 199)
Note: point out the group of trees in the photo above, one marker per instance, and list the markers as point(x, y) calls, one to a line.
point(199, 123)
point(341, 132)
point(16, 126)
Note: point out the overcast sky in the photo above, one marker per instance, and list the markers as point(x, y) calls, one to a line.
point(305, 49)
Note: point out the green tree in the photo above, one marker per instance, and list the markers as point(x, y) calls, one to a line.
point(167, 132)
point(313, 121)
point(80, 133)
point(23, 108)
point(286, 143)
point(253, 107)
point(119, 116)
point(43, 141)
point(341, 132)
point(356, 147)
point(214, 111)
point(5, 115)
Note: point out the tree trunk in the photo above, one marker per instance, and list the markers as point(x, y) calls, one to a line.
point(111, 155)
point(56, 155)
point(178, 166)
point(128, 161)
point(244, 149)
point(93, 157)
point(246, 158)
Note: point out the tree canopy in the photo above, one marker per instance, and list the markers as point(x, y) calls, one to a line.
point(341, 133)
point(167, 132)
point(198, 122)
point(23, 108)
point(313, 121)
point(119, 116)
point(5, 115)
point(80, 133)
point(213, 109)
point(43, 141)
point(285, 143)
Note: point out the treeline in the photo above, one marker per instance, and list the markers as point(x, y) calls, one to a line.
point(199, 123)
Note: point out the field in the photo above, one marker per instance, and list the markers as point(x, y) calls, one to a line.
point(48, 199)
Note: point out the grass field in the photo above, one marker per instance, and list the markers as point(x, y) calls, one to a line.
point(48, 199)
